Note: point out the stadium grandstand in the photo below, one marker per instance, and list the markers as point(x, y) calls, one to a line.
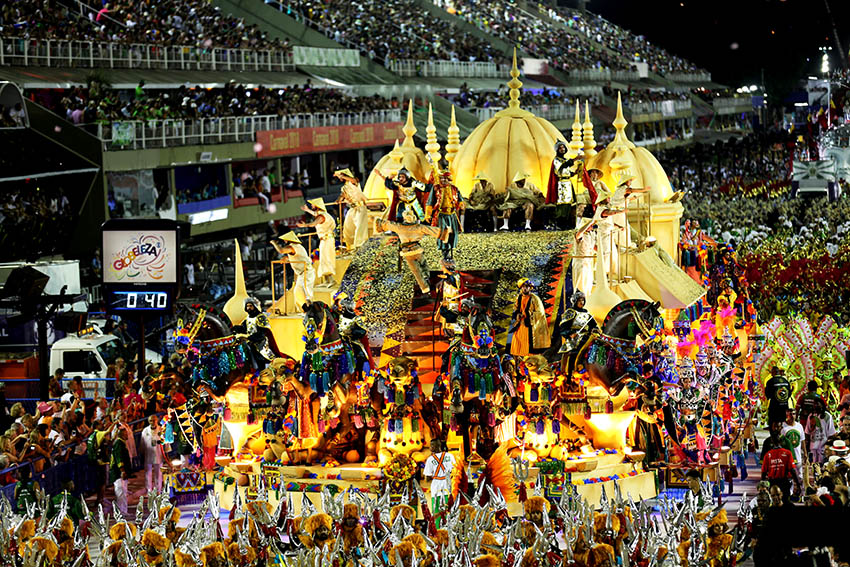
point(162, 109)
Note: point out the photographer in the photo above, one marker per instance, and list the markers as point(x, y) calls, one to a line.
point(153, 451)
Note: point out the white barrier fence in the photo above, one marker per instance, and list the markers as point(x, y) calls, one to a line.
point(547, 111)
point(604, 75)
point(689, 77)
point(461, 69)
point(665, 107)
point(137, 134)
point(109, 55)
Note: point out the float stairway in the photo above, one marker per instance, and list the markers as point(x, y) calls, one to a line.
point(423, 338)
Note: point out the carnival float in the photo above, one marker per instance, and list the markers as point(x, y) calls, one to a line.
point(482, 347)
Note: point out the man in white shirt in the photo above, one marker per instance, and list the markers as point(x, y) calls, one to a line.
point(438, 469)
point(152, 451)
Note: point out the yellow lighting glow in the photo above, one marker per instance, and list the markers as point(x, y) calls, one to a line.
point(609, 429)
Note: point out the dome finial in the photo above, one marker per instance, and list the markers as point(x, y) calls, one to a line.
point(409, 128)
point(514, 84)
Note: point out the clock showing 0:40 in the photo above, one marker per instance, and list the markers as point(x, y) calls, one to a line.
point(140, 300)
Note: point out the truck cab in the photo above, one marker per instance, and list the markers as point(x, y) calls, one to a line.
point(88, 355)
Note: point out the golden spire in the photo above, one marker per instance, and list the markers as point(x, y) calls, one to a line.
point(432, 146)
point(409, 128)
point(453, 140)
point(575, 143)
point(620, 139)
point(589, 142)
point(394, 163)
point(514, 85)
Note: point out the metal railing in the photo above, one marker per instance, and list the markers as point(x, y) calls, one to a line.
point(547, 111)
point(97, 54)
point(689, 77)
point(732, 104)
point(78, 468)
point(140, 134)
point(657, 106)
point(461, 69)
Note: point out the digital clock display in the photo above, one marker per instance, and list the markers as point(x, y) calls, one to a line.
point(140, 300)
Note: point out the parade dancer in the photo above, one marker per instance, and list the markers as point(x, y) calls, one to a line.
point(484, 197)
point(438, 470)
point(406, 193)
point(410, 232)
point(560, 190)
point(355, 228)
point(445, 210)
point(523, 194)
point(530, 328)
point(289, 246)
point(575, 328)
point(325, 225)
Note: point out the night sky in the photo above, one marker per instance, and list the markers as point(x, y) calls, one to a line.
point(736, 39)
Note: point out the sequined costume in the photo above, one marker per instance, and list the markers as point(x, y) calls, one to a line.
point(406, 195)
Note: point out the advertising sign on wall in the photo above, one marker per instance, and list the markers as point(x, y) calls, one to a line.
point(296, 141)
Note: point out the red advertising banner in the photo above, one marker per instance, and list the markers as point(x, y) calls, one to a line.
point(296, 141)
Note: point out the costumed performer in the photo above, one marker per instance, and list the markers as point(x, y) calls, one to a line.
point(523, 194)
point(560, 189)
point(530, 328)
point(325, 225)
point(585, 235)
point(407, 192)
point(355, 227)
point(409, 233)
point(289, 246)
point(606, 225)
point(450, 290)
point(445, 210)
point(574, 329)
point(484, 197)
point(257, 330)
point(438, 470)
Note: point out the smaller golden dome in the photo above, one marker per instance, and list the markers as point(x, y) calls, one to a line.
point(621, 158)
point(406, 155)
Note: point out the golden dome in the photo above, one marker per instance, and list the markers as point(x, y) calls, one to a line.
point(622, 158)
point(406, 155)
point(513, 140)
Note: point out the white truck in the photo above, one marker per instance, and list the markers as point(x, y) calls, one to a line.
point(88, 355)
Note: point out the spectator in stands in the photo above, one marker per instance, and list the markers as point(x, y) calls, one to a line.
point(55, 385)
point(152, 451)
point(167, 22)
